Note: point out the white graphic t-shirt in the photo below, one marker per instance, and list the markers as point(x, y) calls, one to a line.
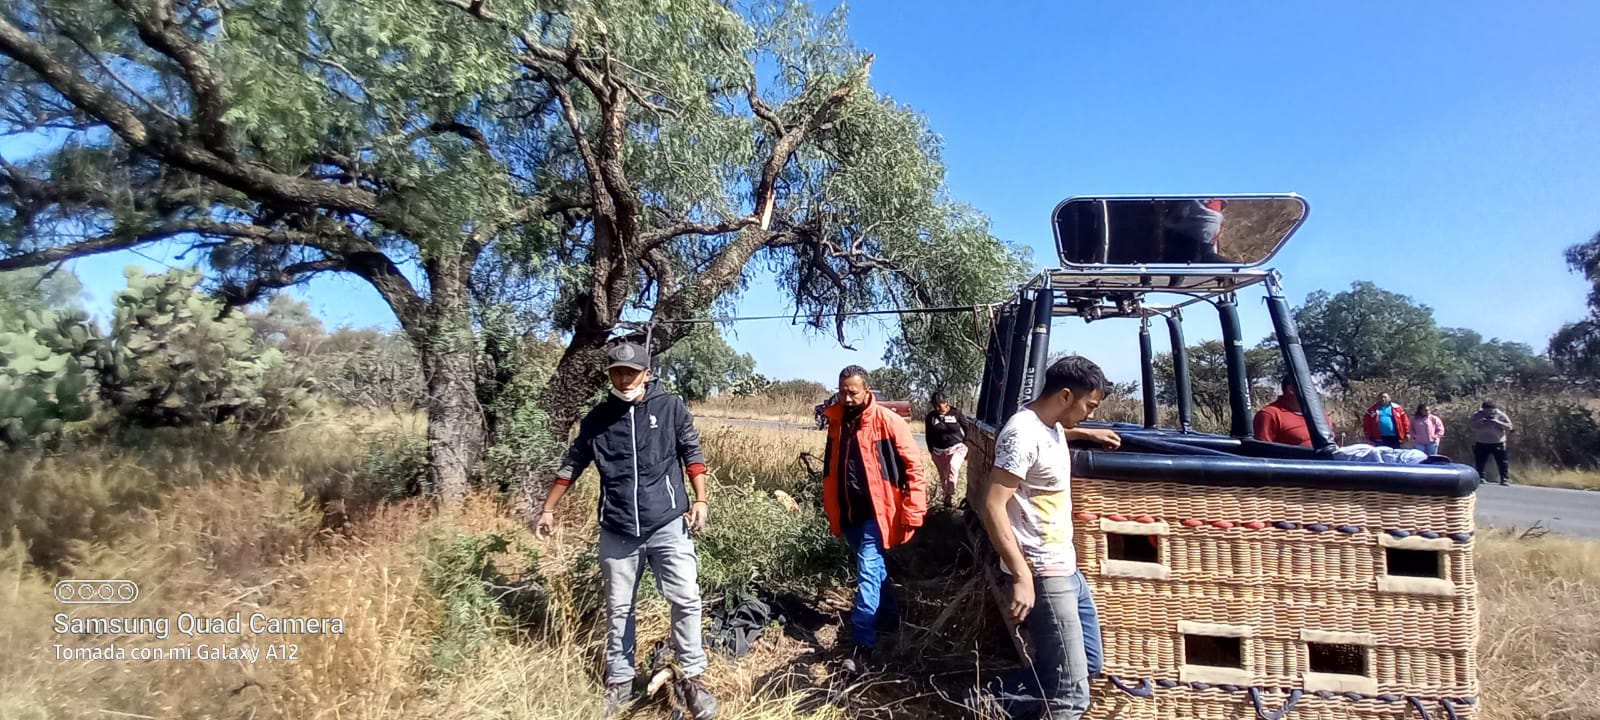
point(1041, 512)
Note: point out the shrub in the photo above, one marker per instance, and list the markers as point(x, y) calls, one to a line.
point(1549, 430)
point(46, 375)
point(175, 359)
point(456, 570)
point(752, 542)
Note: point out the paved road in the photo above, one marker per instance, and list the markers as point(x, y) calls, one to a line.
point(1570, 512)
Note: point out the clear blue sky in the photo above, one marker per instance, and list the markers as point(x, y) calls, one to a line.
point(1448, 150)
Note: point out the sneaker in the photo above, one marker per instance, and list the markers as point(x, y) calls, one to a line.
point(701, 703)
point(619, 697)
point(859, 660)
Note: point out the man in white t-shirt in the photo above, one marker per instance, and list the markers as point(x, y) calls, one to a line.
point(1027, 509)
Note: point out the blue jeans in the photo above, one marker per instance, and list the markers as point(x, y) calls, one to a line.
point(874, 597)
point(1089, 615)
point(1429, 448)
point(1058, 680)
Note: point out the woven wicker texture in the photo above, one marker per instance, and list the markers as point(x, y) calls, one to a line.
point(1267, 565)
point(1281, 568)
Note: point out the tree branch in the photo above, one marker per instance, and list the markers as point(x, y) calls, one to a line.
point(655, 238)
point(237, 295)
point(122, 120)
point(95, 56)
point(161, 32)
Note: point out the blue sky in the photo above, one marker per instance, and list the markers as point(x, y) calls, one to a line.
point(1448, 150)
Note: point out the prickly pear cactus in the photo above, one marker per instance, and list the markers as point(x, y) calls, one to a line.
point(175, 359)
point(47, 365)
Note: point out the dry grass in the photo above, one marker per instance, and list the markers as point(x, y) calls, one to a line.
point(1540, 647)
point(1548, 477)
point(784, 409)
point(233, 534)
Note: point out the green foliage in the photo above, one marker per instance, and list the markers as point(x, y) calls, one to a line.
point(892, 383)
point(175, 359)
point(807, 390)
point(521, 444)
point(46, 374)
point(1367, 333)
point(755, 542)
point(1208, 377)
point(395, 466)
point(702, 364)
point(752, 384)
point(48, 349)
point(960, 263)
point(457, 569)
point(1575, 348)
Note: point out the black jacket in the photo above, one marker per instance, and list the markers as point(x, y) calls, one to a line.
point(946, 431)
point(640, 451)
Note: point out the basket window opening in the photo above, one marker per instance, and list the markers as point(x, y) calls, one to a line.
point(1338, 658)
point(1133, 548)
point(1414, 563)
point(1213, 651)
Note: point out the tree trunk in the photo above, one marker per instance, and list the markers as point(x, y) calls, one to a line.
point(576, 376)
point(456, 431)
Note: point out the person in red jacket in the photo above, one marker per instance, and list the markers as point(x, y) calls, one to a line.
point(1386, 423)
point(1283, 421)
point(875, 496)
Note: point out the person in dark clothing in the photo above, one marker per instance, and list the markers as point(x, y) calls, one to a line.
point(946, 429)
point(642, 441)
point(1489, 428)
point(874, 495)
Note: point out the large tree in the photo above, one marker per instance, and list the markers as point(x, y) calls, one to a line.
point(600, 157)
point(944, 351)
point(1575, 348)
point(1368, 333)
point(703, 363)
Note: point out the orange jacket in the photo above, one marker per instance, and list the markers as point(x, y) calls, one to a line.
point(894, 472)
point(1402, 423)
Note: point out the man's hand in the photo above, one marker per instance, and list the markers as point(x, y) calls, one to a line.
point(697, 516)
point(545, 526)
point(1105, 437)
point(1021, 598)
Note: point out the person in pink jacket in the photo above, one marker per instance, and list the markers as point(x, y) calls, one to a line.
point(1427, 430)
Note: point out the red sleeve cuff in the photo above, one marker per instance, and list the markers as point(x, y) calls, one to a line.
point(697, 469)
point(564, 482)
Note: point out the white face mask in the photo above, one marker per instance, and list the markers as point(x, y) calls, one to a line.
point(631, 395)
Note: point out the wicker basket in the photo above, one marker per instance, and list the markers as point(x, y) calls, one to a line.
point(1239, 602)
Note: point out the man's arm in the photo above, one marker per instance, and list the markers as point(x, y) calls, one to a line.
point(1104, 437)
point(997, 494)
point(577, 459)
point(1261, 427)
point(910, 457)
point(693, 458)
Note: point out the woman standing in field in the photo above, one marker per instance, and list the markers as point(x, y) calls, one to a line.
point(1428, 430)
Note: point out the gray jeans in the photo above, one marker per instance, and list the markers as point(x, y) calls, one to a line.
point(671, 555)
point(1058, 681)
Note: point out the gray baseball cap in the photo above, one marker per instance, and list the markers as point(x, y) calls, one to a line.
point(629, 355)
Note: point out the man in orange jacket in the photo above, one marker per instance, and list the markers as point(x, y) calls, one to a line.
point(875, 496)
